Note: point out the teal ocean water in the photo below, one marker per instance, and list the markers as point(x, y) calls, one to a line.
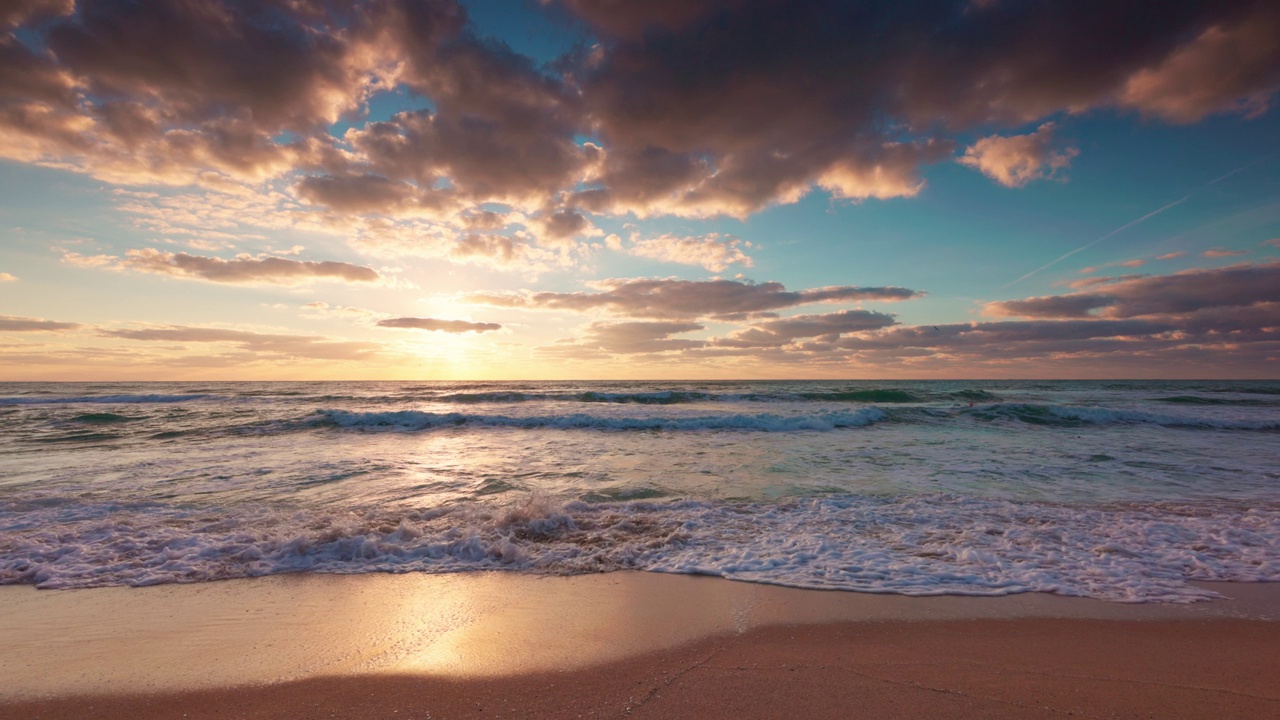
point(1123, 491)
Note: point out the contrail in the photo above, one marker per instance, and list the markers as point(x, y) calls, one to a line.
point(1120, 229)
point(1148, 216)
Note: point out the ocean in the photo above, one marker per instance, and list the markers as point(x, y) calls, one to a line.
point(1117, 490)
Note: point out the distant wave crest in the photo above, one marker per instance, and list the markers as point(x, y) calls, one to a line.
point(1075, 416)
point(764, 422)
point(102, 399)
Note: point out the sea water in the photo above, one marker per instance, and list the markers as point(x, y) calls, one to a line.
point(1122, 491)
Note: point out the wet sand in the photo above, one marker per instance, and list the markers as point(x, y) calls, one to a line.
point(623, 644)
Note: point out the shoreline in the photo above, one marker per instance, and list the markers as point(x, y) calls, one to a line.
point(273, 642)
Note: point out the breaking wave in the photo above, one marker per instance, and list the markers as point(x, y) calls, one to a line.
point(922, 545)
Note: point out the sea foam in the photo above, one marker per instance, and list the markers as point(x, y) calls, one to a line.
point(922, 545)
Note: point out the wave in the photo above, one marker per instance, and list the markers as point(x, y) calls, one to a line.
point(662, 397)
point(1201, 400)
point(103, 399)
point(869, 396)
point(1251, 389)
point(922, 545)
point(765, 422)
point(79, 437)
point(102, 418)
point(674, 397)
point(1075, 416)
point(974, 395)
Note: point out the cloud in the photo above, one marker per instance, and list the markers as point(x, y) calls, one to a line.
point(715, 251)
point(1134, 263)
point(365, 193)
point(16, 12)
point(696, 108)
point(1230, 66)
point(319, 309)
point(628, 338)
point(992, 336)
point(1184, 292)
point(259, 344)
point(1221, 322)
point(89, 261)
point(1220, 253)
point(776, 333)
point(699, 110)
point(1016, 160)
point(449, 326)
point(244, 269)
point(564, 224)
point(499, 250)
point(723, 299)
point(8, 277)
point(1094, 282)
point(14, 323)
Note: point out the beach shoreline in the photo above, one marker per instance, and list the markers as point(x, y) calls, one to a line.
point(518, 645)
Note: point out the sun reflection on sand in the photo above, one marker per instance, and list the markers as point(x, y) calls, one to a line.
point(285, 627)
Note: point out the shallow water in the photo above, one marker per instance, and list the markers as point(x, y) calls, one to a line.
point(1116, 490)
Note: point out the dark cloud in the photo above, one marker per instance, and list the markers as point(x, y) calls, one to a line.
point(996, 337)
point(13, 323)
point(1184, 292)
point(277, 65)
point(1053, 306)
point(776, 333)
point(692, 108)
point(244, 269)
point(1190, 324)
point(691, 298)
point(449, 326)
point(729, 106)
point(563, 224)
point(259, 344)
point(16, 12)
point(357, 193)
point(501, 130)
point(148, 91)
point(1230, 65)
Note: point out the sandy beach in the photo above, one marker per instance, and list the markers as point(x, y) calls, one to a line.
point(624, 645)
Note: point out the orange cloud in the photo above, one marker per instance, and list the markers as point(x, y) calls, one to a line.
point(432, 324)
point(718, 299)
point(14, 323)
point(715, 252)
point(242, 269)
point(1016, 160)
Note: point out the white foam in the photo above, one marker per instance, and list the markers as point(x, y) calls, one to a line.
point(922, 545)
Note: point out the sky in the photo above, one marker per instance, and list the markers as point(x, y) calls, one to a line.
point(604, 189)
